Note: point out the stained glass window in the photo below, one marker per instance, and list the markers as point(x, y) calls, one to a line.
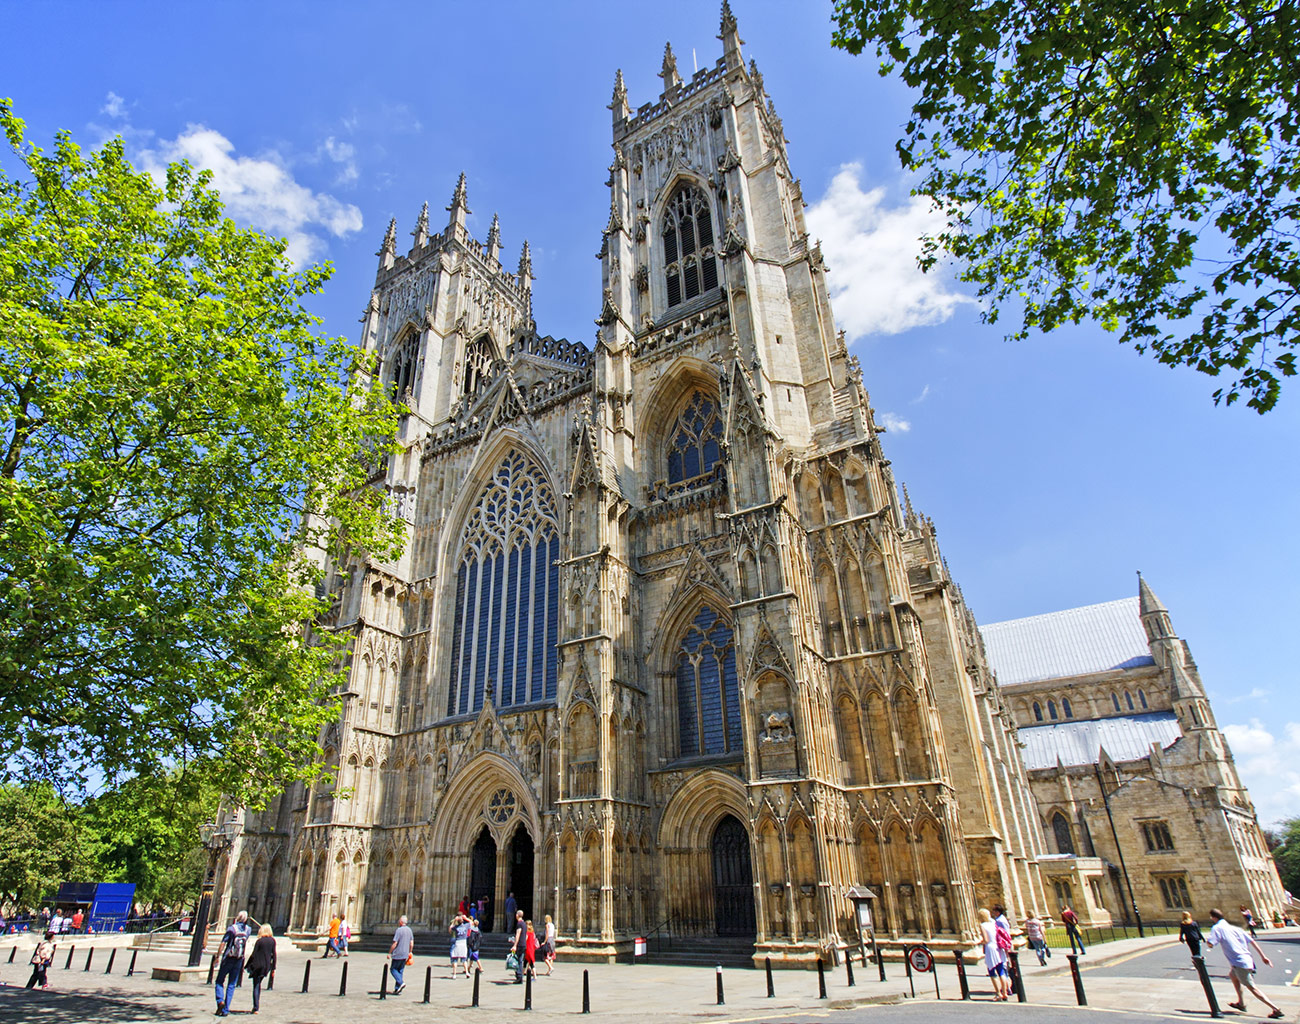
point(690, 265)
point(708, 696)
point(507, 594)
point(693, 443)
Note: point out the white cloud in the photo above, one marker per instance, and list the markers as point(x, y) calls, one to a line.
point(871, 248)
point(1267, 766)
point(259, 191)
point(925, 393)
point(894, 422)
point(1249, 739)
point(114, 105)
point(345, 155)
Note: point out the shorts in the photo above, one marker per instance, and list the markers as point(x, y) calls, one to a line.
point(998, 971)
point(473, 955)
point(1243, 975)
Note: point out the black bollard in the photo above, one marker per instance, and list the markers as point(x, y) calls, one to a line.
point(1078, 981)
point(880, 962)
point(848, 967)
point(12, 951)
point(212, 968)
point(428, 979)
point(528, 989)
point(130, 968)
point(306, 975)
point(821, 979)
point(767, 966)
point(476, 977)
point(961, 975)
point(67, 964)
point(343, 981)
point(1017, 982)
point(383, 983)
point(586, 994)
point(88, 957)
point(112, 955)
point(1199, 961)
point(721, 1001)
point(907, 964)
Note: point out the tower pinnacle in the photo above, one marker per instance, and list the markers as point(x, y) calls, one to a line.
point(494, 239)
point(421, 232)
point(729, 33)
point(526, 267)
point(619, 104)
point(672, 80)
point(459, 207)
point(388, 251)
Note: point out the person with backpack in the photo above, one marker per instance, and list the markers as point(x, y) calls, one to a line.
point(230, 954)
point(473, 940)
point(42, 957)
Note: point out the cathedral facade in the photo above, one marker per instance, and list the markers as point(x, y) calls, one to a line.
point(665, 651)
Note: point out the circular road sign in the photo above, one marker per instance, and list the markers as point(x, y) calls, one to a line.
point(921, 959)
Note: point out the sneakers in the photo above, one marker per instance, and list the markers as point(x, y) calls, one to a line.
point(398, 991)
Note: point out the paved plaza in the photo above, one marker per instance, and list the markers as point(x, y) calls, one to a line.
point(1138, 979)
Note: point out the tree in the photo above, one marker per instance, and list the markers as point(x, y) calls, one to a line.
point(43, 842)
point(1133, 163)
point(1286, 853)
point(180, 452)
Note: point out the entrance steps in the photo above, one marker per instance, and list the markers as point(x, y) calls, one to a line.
point(702, 951)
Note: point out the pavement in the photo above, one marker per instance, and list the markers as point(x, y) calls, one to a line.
point(1134, 980)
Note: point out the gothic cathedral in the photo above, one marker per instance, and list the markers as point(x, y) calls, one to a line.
point(665, 650)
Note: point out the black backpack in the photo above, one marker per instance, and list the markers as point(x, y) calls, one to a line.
point(472, 940)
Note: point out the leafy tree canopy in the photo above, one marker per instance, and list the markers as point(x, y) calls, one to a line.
point(1133, 162)
point(179, 447)
point(1285, 844)
point(42, 842)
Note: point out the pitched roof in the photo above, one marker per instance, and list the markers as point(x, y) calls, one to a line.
point(1077, 641)
point(1125, 737)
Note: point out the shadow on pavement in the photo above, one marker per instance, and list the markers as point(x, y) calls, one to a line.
point(84, 1007)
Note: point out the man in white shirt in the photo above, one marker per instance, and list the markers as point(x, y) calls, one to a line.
point(1241, 966)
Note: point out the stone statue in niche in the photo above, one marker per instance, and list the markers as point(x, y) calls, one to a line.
point(442, 768)
point(776, 748)
point(778, 727)
point(534, 759)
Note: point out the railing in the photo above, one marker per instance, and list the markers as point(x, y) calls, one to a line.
point(666, 933)
point(1058, 938)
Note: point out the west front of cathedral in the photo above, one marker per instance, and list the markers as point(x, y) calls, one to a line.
point(665, 651)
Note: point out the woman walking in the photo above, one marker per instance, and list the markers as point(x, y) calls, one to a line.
point(1190, 933)
point(261, 964)
point(548, 945)
point(42, 957)
point(460, 944)
point(1037, 939)
point(530, 951)
point(994, 961)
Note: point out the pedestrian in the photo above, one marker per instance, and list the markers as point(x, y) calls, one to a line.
point(56, 921)
point(481, 907)
point(459, 943)
point(261, 964)
point(230, 954)
point(1037, 938)
point(530, 950)
point(78, 918)
point(1189, 932)
point(332, 946)
point(994, 960)
point(1241, 965)
point(549, 942)
point(1249, 918)
point(518, 943)
point(462, 907)
point(42, 957)
point(1071, 921)
point(511, 907)
point(473, 941)
point(45, 918)
point(399, 954)
point(345, 934)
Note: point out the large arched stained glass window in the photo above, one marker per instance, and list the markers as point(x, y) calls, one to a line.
point(708, 697)
point(507, 593)
point(690, 266)
point(693, 441)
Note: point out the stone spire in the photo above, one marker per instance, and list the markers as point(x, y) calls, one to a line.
point(672, 80)
point(730, 36)
point(459, 207)
point(388, 251)
point(1155, 616)
point(526, 267)
point(619, 103)
point(494, 239)
point(421, 232)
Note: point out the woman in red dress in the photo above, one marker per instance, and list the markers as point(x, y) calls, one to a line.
point(530, 951)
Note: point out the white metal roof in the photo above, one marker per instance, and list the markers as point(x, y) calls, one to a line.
point(1125, 737)
point(1077, 641)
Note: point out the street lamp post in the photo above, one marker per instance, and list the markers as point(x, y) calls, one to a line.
point(215, 838)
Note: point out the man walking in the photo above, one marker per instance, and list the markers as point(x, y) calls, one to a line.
point(399, 952)
point(1071, 921)
point(1241, 966)
point(333, 945)
point(519, 944)
point(511, 907)
point(231, 956)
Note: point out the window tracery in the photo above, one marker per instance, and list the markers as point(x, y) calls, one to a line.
point(479, 357)
point(690, 265)
point(403, 364)
point(507, 594)
point(693, 443)
point(708, 696)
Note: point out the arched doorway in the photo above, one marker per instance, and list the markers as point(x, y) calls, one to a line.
point(733, 879)
point(483, 873)
point(521, 871)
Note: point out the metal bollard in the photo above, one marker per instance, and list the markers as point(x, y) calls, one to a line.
point(88, 958)
point(476, 977)
point(343, 981)
point(880, 962)
point(112, 955)
point(767, 966)
point(961, 975)
point(586, 994)
point(907, 963)
point(1078, 981)
point(1204, 975)
point(428, 979)
point(1017, 982)
point(212, 968)
point(528, 989)
point(306, 975)
point(721, 1001)
point(383, 982)
point(12, 951)
point(848, 968)
point(130, 968)
point(821, 979)
point(67, 964)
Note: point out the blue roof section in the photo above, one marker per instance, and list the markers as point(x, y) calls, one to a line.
point(1125, 737)
point(1075, 642)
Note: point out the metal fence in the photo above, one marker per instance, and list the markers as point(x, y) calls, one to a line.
point(1057, 937)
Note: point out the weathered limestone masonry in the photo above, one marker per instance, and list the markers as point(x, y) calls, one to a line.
point(1129, 772)
point(664, 651)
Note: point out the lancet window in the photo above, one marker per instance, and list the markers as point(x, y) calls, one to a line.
point(478, 364)
point(690, 265)
point(403, 363)
point(507, 594)
point(708, 695)
point(693, 441)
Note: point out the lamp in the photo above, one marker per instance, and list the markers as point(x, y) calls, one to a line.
point(215, 837)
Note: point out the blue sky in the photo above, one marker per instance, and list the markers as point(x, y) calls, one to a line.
point(1053, 468)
